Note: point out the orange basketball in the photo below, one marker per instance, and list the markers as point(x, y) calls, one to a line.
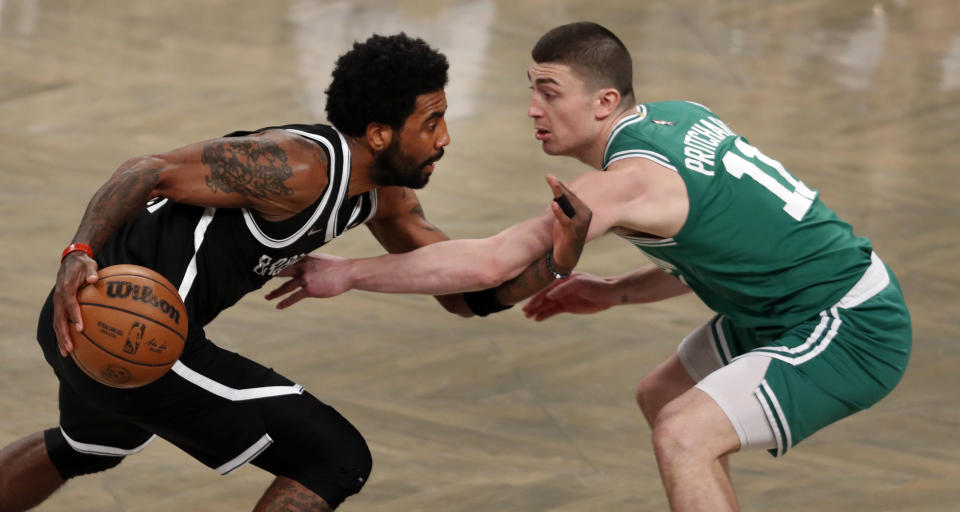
point(134, 327)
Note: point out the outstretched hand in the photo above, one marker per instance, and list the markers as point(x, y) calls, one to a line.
point(316, 275)
point(580, 294)
point(570, 227)
point(76, 270)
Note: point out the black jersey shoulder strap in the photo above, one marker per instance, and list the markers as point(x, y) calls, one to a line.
point(323, 212)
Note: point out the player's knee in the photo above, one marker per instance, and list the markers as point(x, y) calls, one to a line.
point(355, 463)
point(343, 474)
point(661, 385)
point(651, 394)
point(675, 435)
point(71, 463)
point(645, 393)
point(686, 438)
point(325, 454)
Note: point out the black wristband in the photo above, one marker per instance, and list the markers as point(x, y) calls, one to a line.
point(484, 302)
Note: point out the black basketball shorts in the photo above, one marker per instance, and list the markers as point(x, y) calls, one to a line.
point(221, 408)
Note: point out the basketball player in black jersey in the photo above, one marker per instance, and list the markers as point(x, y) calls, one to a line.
point(219, 218)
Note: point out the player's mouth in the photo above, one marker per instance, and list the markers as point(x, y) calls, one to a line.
point(429, 165)
point(542, 134)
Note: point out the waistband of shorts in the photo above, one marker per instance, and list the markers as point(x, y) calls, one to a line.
point(872, 282)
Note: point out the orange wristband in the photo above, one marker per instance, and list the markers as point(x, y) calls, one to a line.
point(76, 247)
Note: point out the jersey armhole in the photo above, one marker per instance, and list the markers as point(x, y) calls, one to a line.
point(649, 152)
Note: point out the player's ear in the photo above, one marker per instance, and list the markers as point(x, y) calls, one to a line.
point(607, 101)
point(379, 136)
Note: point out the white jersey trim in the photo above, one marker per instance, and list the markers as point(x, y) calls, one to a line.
point(623, 123)
point(641, 153)
point(247, 455)
point(873, 281)
point(374, 202)
point(699, 105)
point(97, 449)
point(649, 241)
point(275, 243)
point(341, 194)
point(198, 234)
point(156, 203)
point(359, 208)
point(233, 394)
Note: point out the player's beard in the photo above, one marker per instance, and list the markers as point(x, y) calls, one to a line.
point(394, 168)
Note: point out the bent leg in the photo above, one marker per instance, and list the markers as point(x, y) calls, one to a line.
point(694, 434)
point(666, 382)
point(27, 475)
point(691, 437)
point(287, 495)
point(316, 452)
point(695, 358)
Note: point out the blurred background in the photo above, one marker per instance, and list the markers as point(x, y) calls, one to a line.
point(860, 99)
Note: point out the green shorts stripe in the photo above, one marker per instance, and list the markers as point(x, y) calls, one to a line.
point(814, 345)
point(776, 418)
point(720, 340)
point(839, 361)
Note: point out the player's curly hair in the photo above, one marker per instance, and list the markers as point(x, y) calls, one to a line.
point(378, 81)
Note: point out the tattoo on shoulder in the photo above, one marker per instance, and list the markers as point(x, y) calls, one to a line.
point(247, 167)
point(314, 148)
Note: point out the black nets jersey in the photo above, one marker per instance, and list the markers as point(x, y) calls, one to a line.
point(215, 256)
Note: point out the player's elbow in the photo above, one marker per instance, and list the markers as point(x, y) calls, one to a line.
point(140, 164)
point(455, 304)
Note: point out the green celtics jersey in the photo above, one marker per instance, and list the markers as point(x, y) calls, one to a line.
point(758, 246)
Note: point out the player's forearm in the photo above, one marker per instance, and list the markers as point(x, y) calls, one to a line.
point(437, 269)
point(644, 285)
point(455, 265)
point(119, 199)
point(533, 279)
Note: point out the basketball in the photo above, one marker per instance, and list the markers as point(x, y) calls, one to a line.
point(134, 327)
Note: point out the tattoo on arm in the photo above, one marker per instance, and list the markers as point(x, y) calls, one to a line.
point(418, 211)
point(285, 495)
point(254, 168)
point(529, 282)
point(116, 201)
point(315, 148)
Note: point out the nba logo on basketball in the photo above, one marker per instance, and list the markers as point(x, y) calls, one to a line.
point(134, 337)
point(153, 317)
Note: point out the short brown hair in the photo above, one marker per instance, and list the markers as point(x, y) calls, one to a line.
point(594, 53)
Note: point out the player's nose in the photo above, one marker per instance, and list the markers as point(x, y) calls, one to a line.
point(534, 111)
point(444, 138)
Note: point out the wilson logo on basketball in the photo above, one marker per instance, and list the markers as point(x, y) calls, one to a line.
point(141, 293)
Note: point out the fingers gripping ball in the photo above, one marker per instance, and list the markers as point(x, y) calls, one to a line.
point(135, 326)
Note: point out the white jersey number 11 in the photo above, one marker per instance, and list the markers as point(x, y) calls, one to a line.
point(797, 201)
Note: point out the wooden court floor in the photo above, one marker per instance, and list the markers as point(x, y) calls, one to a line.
point(861, 99)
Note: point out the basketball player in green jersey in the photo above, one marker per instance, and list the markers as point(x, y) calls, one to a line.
point(810, 325)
